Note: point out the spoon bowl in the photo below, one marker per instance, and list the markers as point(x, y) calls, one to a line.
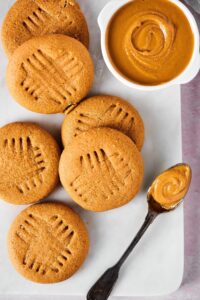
point(169, 188)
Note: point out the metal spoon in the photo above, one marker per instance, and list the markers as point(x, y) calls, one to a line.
point(173, 184)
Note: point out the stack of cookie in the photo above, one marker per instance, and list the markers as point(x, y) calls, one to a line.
point(101, 166)
point(51, 71)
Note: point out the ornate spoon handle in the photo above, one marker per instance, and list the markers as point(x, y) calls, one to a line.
point(102, 289)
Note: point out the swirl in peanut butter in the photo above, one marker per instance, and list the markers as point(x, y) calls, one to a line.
point(149, 40)
point(171, 186)
point(146, 41)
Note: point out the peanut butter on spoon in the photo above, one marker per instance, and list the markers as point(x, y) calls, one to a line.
point(165, 194)
point(171, 186)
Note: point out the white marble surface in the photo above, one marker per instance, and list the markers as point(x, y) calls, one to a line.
point(150, 271)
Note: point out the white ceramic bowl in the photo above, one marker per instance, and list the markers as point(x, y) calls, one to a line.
point(189, 72)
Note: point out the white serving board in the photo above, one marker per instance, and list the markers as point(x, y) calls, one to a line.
point(156, 266)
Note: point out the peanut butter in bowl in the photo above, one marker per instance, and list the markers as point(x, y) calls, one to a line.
point(150, 42)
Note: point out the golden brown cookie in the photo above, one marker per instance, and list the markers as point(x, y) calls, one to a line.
point(48, 242)
point(104, 111)
point(31, 18)
point(101, 169)
point(29, 158)
point(49, 74)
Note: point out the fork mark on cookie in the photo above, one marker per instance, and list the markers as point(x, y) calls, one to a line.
point(116, 183)
point(120, 115)
point(23, 234)
point(84, 125)
point(113, 172)
point(62, 229)
point(22, 151)
point(84, 122)
point(51, 79)
point(72, 67)
point(35, 22)
point(122, 118)
point(32, 88)
point(53, 236)
point(110, 109)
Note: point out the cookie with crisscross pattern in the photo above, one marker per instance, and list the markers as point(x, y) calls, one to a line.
point(50, 74)
point(48, 242)
point(101, 169)
point(104, 111)
point(29, 158)
point(31, 18)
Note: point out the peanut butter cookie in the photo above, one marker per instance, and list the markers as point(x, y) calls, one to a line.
point(50, 74)
point(30, 18)
point(48, 242)
point(104, 111)
point(101, 169)
point(29, 158)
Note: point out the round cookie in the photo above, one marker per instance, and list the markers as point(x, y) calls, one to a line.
point(50, 74)
point(104, 111)
point(48, 242)
point(29, 158)
point(101, 169)
point(30, 18)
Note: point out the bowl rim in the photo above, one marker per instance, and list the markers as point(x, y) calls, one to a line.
point(185, 76)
